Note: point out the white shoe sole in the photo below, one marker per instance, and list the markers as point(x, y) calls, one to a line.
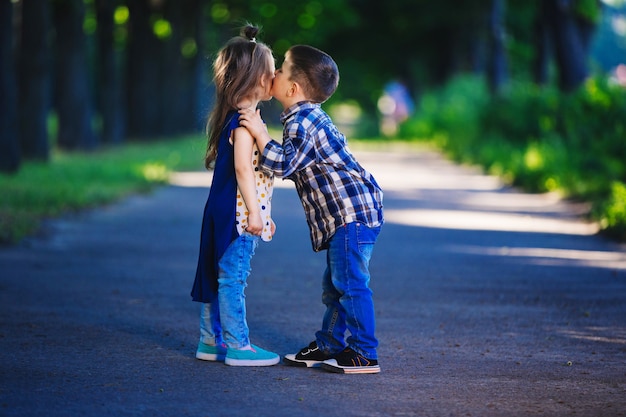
point(331, 365)
point(251, 362)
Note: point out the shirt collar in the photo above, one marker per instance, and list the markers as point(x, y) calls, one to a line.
point(290, 111)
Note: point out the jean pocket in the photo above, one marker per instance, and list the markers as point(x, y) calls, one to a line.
point(366, 238)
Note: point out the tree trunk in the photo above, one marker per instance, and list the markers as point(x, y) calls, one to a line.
point(109, 89)
point(497, 65)
point(192, 74)
point(73, 101)
point(172, 78)
point(34, 79)
point(569, 46)
point(541, 43)
point(201, 93)
point(143, 72)
point(9, 139)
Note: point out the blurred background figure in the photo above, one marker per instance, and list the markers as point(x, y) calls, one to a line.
point(395, 105)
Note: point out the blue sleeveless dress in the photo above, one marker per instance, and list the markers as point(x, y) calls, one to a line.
point(219, 227)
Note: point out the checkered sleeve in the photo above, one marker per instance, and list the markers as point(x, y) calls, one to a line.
point(293, 155)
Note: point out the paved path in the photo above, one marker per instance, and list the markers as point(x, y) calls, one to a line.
point(489, 303)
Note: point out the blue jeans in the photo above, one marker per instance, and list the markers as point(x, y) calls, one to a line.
point(225, 321)
point(346, 292)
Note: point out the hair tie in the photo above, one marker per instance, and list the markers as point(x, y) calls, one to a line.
point(253, 40)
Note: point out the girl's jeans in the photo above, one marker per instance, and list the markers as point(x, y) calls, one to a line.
point(346, 292)
point(225, 321)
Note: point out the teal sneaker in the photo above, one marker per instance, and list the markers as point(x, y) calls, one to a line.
point(253, 357)
point(210, 352)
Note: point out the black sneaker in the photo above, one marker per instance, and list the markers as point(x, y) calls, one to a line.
point(309, 357)
point(350, 362)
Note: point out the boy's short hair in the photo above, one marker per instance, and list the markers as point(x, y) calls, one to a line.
point(315, 71)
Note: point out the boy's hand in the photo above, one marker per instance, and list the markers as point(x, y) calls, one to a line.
point(251, 120)
point(272, 227)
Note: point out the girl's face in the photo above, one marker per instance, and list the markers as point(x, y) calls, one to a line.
point(267, 80)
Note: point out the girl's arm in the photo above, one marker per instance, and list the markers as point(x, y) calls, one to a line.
point(243, 143)
point(251, 119)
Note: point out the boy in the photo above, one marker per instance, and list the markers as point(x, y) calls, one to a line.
point(342, 203)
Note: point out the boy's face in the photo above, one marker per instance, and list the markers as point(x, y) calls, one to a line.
point(281, 83)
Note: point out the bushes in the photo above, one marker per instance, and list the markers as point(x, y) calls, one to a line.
point(537, 138)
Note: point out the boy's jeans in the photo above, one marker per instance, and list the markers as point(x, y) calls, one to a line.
point(346, 292)
point(225, 321)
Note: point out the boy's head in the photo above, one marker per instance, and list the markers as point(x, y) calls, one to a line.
point(314, 70)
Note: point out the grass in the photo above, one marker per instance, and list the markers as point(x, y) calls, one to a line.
point(74, 181)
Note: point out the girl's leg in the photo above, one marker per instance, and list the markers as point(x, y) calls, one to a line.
point(234, 269)
point(211, 347)
point(210, 327)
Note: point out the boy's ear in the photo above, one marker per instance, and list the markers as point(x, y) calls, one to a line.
point(294, 89)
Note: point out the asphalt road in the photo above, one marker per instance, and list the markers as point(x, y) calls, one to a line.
point(489, 302)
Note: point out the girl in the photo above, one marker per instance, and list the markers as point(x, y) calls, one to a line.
point(237, 212)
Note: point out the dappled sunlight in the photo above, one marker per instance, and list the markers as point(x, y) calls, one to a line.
point(426, 170)
point(191, 179)
point(517, 202)
point(203, 179)
point(502, 222)
point(614, 335)
point(551, 256)
point(394, 180)
point(154, 171)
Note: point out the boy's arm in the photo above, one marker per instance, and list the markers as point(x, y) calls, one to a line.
point(243, 143)
point(294, 154)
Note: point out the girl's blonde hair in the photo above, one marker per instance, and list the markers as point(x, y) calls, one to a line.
point(237, 71)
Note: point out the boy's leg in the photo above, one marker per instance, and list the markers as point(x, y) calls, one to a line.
point(331, 338)
point(347, 295)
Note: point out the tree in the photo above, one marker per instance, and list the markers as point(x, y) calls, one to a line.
point(162, 64)
point(497, 72)
point(141, 71)
point(109, 100)
point(569, 35)
point(34, 79)
point(73, 100)
point(9, 142)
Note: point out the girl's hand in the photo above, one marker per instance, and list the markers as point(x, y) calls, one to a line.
point(251, 120)
point(255, 224)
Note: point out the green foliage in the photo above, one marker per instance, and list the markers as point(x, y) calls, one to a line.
point(613, 213)
point(454, 107)
point(588, 10)
point(70, 182)
point(537, 138)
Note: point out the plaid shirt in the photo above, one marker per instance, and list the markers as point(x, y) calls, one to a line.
point(333, 187)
